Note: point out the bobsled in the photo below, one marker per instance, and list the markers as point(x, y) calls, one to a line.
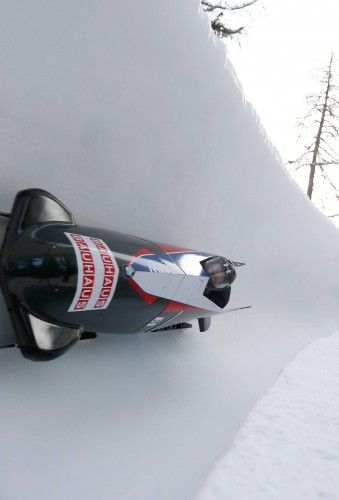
point(63, 282)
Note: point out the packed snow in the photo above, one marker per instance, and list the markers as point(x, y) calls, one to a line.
point(289, 446)
point(127, 112)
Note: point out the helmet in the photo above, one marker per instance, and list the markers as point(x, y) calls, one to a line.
point(221, 273)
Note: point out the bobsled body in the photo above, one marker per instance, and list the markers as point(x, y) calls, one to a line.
point(61, 280)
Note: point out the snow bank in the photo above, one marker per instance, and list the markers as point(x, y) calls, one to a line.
point(289, 445)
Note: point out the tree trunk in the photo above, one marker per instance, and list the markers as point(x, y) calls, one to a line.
point(318, 136)
point(311, 181)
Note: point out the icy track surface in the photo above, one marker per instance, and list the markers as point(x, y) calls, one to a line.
point(289, 445)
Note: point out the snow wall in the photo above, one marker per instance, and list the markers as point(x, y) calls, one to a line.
point(126, 112)
point(288, 447)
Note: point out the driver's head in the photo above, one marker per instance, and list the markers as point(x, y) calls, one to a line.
point(221, 273)
point(230, 272)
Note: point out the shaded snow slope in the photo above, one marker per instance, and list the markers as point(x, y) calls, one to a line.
point(126, 112)
point(289, 445)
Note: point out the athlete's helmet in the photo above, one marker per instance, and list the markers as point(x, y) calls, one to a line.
point(221, 273)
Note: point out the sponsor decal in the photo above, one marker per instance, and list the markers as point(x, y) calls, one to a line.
point(156, 321)
point(97, 273)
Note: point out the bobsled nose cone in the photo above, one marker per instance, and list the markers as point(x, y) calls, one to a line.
point(238, 264)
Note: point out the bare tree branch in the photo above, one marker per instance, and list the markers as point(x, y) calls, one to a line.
point(219, 23)
point(210, 7)
point(328, 179)
point(243, 6)
point(221, 30)
point(333, 151)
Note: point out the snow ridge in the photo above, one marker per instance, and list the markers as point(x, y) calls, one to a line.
point(289, 445)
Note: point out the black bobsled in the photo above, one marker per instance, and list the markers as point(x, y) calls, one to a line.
point(63, 282)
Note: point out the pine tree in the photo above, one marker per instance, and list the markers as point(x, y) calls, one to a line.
point(322, 120)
